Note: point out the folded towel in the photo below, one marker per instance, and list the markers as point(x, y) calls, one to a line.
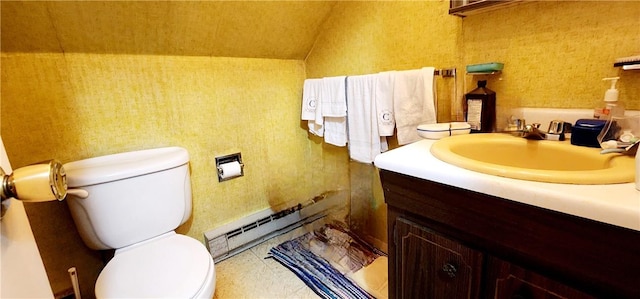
point(335, 130)
point(316, 129)
point(364, 139)
point(384, 103)
point(333, 102)
point(310, 99)
point(413, 102)
point(318, 123)
point(333, 96)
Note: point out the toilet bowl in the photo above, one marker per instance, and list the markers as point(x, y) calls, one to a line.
point(132, 202)
point(184, 270)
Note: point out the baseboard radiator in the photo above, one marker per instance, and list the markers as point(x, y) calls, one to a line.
point(233, 238)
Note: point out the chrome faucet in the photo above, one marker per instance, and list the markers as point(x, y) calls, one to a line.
point(533, 132)
point(557, 129)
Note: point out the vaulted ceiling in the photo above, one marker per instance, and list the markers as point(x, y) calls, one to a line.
point(256, 29)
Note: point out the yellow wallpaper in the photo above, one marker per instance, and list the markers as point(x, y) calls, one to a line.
point(556, 52)
point(369, 37)
point(193, 28)
point(75, 106)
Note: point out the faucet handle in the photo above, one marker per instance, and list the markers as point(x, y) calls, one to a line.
point(559, 127)
point(515, 124)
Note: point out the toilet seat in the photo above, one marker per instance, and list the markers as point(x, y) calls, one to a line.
point(171, 265)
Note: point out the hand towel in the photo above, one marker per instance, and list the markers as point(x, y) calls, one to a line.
point(335, 130)
point(384, 103)
point(333, 102)
point(364, 139)
point(318, 123)
point(310, 99)
point(413, 102)
point(333, 96)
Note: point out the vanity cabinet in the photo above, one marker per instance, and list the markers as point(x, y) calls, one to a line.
point(448, 242)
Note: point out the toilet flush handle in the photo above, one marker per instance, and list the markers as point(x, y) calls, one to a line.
point(79, 193)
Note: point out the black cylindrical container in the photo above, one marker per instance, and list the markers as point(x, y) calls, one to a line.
point(480, 108)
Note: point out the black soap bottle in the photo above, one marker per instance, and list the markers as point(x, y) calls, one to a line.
point(480, 108)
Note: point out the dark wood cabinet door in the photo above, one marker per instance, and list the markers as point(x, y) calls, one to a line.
point(432, 266)
point(508, 281)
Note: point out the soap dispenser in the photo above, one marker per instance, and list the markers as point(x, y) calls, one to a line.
point(612, 106)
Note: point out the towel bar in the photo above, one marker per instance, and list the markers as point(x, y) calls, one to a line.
point(445, 72)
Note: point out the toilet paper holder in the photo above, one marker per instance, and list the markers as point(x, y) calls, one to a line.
point(237, 157)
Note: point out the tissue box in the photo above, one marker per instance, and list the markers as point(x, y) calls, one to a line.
point(585, 132)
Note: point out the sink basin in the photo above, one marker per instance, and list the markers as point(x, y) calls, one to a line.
point(543, 161)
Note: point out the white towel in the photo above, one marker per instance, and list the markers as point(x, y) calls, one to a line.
point(364, 139)
point(335, 130)
point(384, 103)
point(413, 102)
point(333, 97)
point(333, 102)
point(310, 99)
point(317, 127)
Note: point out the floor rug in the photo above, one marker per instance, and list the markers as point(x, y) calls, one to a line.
point(324, 259)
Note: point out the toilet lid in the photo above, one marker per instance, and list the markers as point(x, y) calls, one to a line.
point(174, 266)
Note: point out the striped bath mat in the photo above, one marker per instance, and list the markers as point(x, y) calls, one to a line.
point(324, 258)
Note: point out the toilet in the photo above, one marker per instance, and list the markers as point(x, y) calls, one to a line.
point(132, 202)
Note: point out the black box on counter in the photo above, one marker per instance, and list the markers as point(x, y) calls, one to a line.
point(585, 132)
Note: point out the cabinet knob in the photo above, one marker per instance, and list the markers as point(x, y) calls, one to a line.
point(450, 270)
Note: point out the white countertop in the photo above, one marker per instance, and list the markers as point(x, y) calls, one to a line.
point(617, 204)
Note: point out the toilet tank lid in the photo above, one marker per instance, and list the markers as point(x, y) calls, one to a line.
point(114, 167)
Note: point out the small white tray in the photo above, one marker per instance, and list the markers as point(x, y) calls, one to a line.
point(440, 130)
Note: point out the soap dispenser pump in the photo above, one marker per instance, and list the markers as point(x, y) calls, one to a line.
point(612, 106)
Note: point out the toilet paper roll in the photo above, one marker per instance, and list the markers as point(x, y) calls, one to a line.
point(230, 170)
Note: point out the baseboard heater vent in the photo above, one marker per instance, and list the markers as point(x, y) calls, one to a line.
point(235, 237)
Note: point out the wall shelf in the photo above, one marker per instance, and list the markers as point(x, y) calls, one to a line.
point(628, 63)
point(463, 8)
point(484, 73)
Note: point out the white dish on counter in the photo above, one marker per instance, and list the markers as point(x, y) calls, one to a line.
point(441, 130)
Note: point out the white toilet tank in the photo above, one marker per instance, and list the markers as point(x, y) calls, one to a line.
point(132, 196)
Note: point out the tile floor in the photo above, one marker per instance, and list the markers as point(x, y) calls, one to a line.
point(250, 275)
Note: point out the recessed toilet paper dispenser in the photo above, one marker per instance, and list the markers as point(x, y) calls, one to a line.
point(229, 167)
